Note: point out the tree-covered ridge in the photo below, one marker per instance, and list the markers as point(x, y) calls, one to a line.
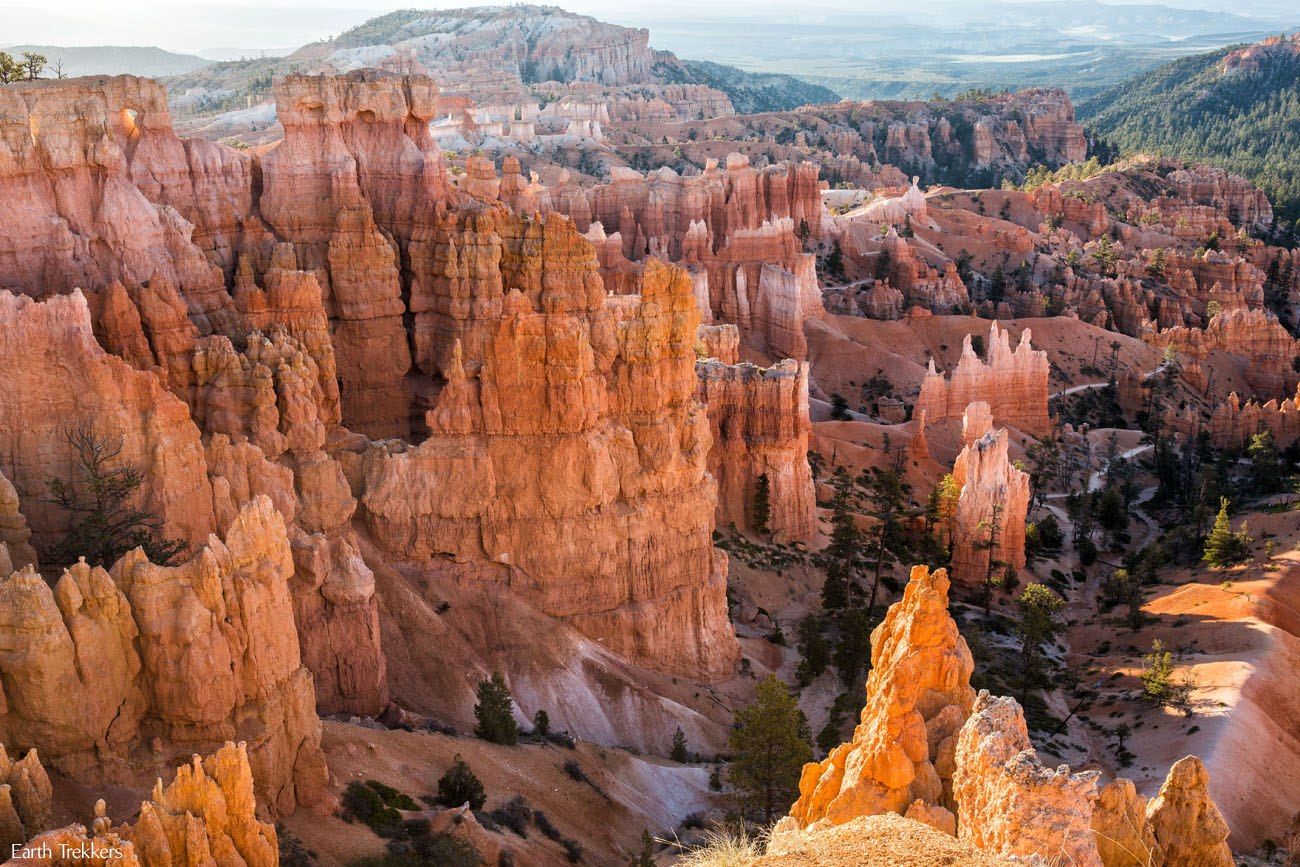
point(1246, 120)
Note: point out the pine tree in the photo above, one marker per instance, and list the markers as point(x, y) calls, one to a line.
point(541, 723)
point(814, 650)
point(846, 540)
point(1224, 547)
point(104, 525)
point(1037, 625)
point(495, 712)
point(678, 752)
point(853, 652)
point(460, 786)
point(762, 504)
point(1266, 476)
point(770, 743)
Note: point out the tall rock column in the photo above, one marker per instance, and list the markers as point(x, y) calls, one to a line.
point(759, 418)
point(989, 522)
point(918, 697)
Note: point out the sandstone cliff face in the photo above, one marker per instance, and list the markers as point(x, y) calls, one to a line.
point(759, 421)
point(1255, 335)
point(1233, 423)
point(918, 697)
point(1012, 383)
point(355, 179)
point(566, 420)
point(104, 191)
point(1008, 802)
point(191, 653)
point(738, 228)
point(206, 815)
point(989, 522)
point(54, 376)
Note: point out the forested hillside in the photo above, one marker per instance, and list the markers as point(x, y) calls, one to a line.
point(1238, 108)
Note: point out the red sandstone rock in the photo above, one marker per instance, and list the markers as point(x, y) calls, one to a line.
point(992, 508)
point(760, 424)
point(1012, 383)
point(918, 696)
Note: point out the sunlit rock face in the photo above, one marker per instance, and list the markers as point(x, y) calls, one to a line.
point(918, 696)
point(1012, 382)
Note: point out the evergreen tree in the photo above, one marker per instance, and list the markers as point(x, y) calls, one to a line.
point(814, 650)
point(1223, 547)
point(460, 786)
point(678, 753)
point(762, 504)
point(770, 743)
point(646, 857)
point(1266, 475)
point(1036, 625)
point(541, 723)
point(839, 408)
point(846, 541)
point(104, 525)
point(495, 712)
point(853, 651)
point(1158, 678)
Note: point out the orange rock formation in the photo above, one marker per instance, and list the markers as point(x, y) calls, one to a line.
point(195, 653)
point(1012, 383)
point(760, 424)
point(918, 697)
point(992, 507)
point(206, 815)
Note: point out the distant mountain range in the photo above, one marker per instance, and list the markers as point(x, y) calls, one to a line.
point(944, 47)
point(1238, 108)
point(113, 59)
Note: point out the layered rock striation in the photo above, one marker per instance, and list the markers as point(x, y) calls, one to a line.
point(760, 424)
point(570, 418)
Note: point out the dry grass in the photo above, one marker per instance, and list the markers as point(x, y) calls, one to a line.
point(725, 846)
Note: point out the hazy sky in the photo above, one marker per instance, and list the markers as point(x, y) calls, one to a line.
point(187, 26)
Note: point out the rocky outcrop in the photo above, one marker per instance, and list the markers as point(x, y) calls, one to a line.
point(188, 654)
point(25, 794)
point(1256, 335)
point(989, 522)
point(567, 455)
point(206, 815)
point(1012, 383)
point(720, 342)
point(1008, 803)
point(918, 697)
point(760, 424)
point(55, 378)
point(1233, 424)
point(1119, 825)
point(105, 191)
point(16, 549)
point(739, 228)
point(1188, 827)
point(355, 179)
